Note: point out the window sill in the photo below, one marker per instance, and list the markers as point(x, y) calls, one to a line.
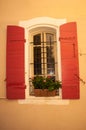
point(44, 101)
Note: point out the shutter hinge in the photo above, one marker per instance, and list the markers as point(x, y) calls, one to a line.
point(24, 40)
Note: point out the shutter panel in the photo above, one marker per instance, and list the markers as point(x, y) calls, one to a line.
point(15, 80)
point(69, 61)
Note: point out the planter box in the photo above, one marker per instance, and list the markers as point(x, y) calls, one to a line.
point(44, 93)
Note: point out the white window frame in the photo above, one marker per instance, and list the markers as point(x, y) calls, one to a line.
point(29, 25)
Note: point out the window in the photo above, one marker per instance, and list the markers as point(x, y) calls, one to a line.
point(42, 29)
point(32, 47)
point(43, 54)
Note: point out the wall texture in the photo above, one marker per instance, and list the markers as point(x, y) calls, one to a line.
point(14, 116)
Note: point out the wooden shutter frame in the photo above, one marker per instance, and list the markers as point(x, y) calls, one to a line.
point(69, 61)
point(15, 79)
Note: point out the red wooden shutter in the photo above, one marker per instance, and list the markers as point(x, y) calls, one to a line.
point(69, 61)
point(15, 85)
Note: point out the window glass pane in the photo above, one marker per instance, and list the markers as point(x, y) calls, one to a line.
point(49, 38)
point(50, 54)
point(37, 60)
point(37, 39)
point(50, 61)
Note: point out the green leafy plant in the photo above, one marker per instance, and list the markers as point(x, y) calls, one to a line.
point(40, 82)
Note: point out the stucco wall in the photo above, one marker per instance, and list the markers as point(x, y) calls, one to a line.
point(14, 116)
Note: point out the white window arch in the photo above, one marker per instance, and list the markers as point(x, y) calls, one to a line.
point(31, 26)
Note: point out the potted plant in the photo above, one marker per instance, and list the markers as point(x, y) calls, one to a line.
point(45, 86)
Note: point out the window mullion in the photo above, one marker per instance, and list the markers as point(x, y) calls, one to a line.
point(43, 54)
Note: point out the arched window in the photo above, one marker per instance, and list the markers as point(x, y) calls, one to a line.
point(43, 53)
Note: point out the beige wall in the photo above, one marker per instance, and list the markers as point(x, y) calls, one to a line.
point(14, 116)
